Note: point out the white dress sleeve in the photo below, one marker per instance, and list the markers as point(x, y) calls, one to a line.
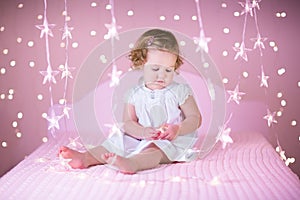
point(183, 92)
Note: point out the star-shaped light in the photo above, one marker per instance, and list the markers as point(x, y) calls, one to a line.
point(114, 129)
point(235, 95)
point(255, 4)
point(241, 52)
point(75, 143)
point(49, 75)
point(263, 79)
point(223, 135)
point(66, 111)
point(67, 32)
point(247, 8)
point(113, 29)
point(45, 28)
point(53, 121)
point(270, 117)
point(259, 42)
point(66, 71)
point(202, 42)
point(115, 76)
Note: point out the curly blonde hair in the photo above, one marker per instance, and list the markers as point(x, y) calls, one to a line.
point(154, 39)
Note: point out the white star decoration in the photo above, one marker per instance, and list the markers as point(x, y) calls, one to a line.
point(67, 32)
point(235, 95)
point(223, 135)
point(75, 144)
point(259, 43)
point(113, 29)
point(49, 75)
point(247, 8)
point(263, 79)
point(45, 28)
point(270, 117)
point(66, 71)
point(114, 129)
point(241, 52)
point(201, 42)
point(53, 121)
point(66, 111)
point(115, 76)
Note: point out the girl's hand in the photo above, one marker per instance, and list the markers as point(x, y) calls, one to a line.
point(168, 132)
point(150, 133)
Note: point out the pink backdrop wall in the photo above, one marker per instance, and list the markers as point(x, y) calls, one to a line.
point(23, 56)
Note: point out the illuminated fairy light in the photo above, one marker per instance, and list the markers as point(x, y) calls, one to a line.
point(40, 97)
point(30, 43)
point(13, 63)
point(5, 51)
point(19, 40)
point(130, 13)
point(93, 33)
point(2, 29)
point(108, 7)
point(31, 64)
point(279, 95)
point(20, 115)
point(293, 123)
point(281, 71)
point(2, 70)
point(194, 18)
point(162, 18)
point(226, 30)
point(283, 103)
point(235, 95)
point(225, 53)
point(225, 80)
point(176, 17)
point(270, 117)
point(223, 135)
point(4, 144)
point(44, 139)
point(20, 5)
point(93, 4)
point(245, 74)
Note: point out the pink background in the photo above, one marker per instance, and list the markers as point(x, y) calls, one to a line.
point(26, 82)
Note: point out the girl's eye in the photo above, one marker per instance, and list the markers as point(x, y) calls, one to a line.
point(155, 68)
point(169, 70)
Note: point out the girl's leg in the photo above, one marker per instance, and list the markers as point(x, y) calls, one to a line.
point(80, 160)
point(149, 158)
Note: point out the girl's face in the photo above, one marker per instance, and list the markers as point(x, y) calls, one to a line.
point(159, 69)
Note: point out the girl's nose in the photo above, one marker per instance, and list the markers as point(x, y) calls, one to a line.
point(161, 74)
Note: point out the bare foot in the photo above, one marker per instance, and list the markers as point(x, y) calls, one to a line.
point(125, 165)
point(77, 158)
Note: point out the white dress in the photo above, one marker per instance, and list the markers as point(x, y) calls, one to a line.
point(154, 108)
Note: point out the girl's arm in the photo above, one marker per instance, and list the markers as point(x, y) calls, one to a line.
point(133, 128)
point(192, 121)
point(192, 117)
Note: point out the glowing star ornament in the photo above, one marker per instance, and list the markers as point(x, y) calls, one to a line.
point(263, 79)
point(67, 32)
point(247, 8)
point(241, 52)
point(113, 30)
point(66, 111)
point(49, 75)
point(45, 28)
point(53, 120)
point(66, 71)
point(259, 43)
point(270, 117)
point(114, 129)
point(202, 42)
point(115, 76)
point(255, 4)
point(75, 144)
point(235, 95)
point(223, 135)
